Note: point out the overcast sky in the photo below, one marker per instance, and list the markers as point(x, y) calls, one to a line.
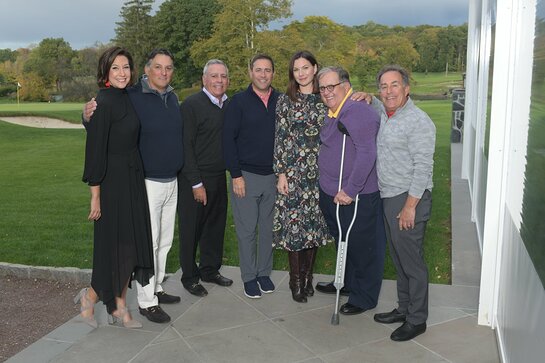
point(82, 23)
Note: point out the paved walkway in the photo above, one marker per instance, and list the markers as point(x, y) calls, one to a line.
point(225, 326)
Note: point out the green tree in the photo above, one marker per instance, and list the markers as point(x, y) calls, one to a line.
point(179, 24)
point(371, 29)
point(83, 84)
point(33, 87)
point(452, 46)
point(427, 44)
point(235, 36)
point(85, 61)
point(331, 43)
point(376, 52)
point(7, 54)
point(280, 45)
point(366, 67)
point(51, 60)
point(135, 30)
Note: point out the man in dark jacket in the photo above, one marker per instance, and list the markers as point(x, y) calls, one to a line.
point(202, 190)
point(248, 142)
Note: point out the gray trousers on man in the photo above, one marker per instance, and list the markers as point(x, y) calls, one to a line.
point(407, 252)
point(253, 216)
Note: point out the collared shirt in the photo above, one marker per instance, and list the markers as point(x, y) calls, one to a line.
point(264, 98)
point(336, 113)
point(213, 98)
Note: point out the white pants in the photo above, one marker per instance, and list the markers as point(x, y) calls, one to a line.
point(162, 199)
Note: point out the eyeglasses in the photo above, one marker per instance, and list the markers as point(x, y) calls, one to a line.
point(329, 88)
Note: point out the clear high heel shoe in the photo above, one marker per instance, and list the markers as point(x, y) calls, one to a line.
point(85, 304)
point(120, 320)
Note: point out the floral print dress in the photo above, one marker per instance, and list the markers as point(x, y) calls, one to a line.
point(298, 221)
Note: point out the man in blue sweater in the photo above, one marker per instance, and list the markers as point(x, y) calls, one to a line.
point(161, 149)
point(248, 142)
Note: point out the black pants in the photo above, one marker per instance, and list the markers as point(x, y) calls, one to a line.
point(202, 226)
point(366, 246)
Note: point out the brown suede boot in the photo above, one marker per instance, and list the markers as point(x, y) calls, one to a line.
point(295, 259)
point(308, 263)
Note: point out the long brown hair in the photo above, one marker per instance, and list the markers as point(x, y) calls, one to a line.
point(293, 86)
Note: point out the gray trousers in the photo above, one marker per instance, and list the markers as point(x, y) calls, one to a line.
point(253, 216)
point(407, 251)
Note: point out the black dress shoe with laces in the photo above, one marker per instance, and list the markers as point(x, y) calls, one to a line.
point(329, 288)
point(393, 316)
point(155, 314)
point(196, 289)
point(408, 331)
point(218, 279)
point(165, 298)
point(349, 309)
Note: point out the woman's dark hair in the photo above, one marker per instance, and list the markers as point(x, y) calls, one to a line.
point(105, 63)
point(293, 86)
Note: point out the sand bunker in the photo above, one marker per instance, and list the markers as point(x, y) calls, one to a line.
point(41, 122)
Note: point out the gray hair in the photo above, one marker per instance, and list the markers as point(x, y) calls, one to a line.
point(212, 62)
point(394, 68)
point(343, 75)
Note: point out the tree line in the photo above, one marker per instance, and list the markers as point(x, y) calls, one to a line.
point(232, 30)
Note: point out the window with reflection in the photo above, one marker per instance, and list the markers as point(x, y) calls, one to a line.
point(533, 206)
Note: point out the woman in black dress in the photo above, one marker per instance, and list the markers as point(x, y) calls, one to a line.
point(119, 207)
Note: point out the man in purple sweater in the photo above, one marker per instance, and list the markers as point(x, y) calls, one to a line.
point(367, 242)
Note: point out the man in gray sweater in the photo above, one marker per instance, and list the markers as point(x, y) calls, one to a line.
point(405, 148)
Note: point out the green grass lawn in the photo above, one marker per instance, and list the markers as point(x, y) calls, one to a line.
point(70, 112)
point(435, 83)
point(45, 204)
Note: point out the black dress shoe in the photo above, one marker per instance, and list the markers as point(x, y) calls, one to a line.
point(196, 289)
point(155, 314)
point(407, 331)
point(329, 288)
point(349, 309)
point(219, 280)
point(393, 316)
point(165, 298)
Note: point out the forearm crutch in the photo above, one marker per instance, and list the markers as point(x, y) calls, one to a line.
point(342, 251)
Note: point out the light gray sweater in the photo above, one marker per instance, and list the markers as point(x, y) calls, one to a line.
point(405, 147)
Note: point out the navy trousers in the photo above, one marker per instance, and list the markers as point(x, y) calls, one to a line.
point(366, 246)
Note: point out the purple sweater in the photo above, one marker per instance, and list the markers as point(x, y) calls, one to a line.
point(359, 171)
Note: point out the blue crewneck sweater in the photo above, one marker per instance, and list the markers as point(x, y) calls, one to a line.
point(160, 144)
point(248, 133)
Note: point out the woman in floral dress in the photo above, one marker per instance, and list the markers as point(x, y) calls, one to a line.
point(299, 226)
